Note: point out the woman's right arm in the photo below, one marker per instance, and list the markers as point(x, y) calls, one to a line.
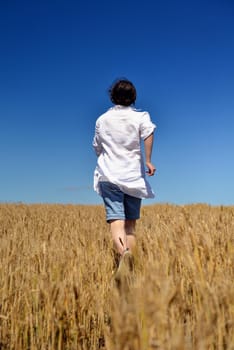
point(148, 145)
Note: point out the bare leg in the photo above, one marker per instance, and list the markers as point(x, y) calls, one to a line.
point(126, 262)
point(130, 233)
point(123, 234)
point(119, 235)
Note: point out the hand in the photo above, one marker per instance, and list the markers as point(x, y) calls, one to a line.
point(151, 169)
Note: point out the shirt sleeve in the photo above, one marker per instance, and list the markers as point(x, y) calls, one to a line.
point(96, 141)
point(146, 126)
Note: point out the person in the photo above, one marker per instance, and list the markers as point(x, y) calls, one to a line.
point(119, 176)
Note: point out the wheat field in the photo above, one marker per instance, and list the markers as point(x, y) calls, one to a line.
point(57, 289)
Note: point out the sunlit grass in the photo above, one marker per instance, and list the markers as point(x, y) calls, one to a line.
point(57, 290)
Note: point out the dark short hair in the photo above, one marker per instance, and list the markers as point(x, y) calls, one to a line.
point(123, 92)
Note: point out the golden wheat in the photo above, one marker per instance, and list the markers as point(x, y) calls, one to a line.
point(57, 289)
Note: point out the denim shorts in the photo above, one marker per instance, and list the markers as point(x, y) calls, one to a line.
point(119, 205)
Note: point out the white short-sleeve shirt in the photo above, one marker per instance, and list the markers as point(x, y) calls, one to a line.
point(117, 143)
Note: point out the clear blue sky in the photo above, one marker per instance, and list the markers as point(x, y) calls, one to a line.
point(57, 61)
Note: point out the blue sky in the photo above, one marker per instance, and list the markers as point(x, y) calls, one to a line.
point(58, 59)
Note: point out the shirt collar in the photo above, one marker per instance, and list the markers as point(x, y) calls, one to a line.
point(120, 107)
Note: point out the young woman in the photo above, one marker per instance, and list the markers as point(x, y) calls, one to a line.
point(119, 176)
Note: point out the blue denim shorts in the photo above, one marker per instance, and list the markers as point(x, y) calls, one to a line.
point(119, 205)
